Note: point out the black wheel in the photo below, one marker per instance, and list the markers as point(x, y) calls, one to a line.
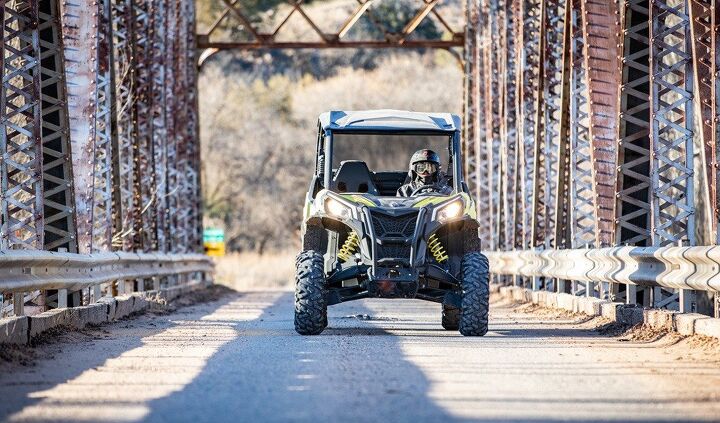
point(450, 317)
point(476, 294)
point(310, 306)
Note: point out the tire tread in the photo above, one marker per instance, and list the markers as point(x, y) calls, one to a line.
point(310, 304)
point(476, 294)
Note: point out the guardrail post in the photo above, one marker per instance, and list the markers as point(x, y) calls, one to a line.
point(688, 301)
point(96, 293)
point(536, 283)
point(19, 303)
point(76, 298)
point(630, 294)
point(62, 298)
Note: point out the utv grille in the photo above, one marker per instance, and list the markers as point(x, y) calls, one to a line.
point(395, 233)
point(391, 226)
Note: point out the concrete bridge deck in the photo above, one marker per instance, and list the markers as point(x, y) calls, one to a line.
point(239, 359)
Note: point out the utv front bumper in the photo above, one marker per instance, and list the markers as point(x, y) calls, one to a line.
point(393, 259)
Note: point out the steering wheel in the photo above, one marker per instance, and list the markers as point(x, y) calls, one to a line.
point(419, 189)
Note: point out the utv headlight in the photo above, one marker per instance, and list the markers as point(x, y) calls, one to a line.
point(335, 208)
point(450, 210)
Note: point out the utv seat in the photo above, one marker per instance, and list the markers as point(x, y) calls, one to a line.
point(354, 176)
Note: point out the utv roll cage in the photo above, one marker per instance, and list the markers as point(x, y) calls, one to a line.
point(372, 125)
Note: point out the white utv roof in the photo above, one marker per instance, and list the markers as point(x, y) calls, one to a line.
point(387, 119)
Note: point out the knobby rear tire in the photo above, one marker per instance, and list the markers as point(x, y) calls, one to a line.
point(310, 305)
point(450, 317)
point(476, 294)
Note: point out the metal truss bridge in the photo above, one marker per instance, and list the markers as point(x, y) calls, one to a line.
point(591, 143)
point(589, 125)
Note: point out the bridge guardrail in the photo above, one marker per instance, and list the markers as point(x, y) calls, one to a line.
point(22, 271)
point(696, 268)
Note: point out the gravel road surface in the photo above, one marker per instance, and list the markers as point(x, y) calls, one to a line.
point(238, 360)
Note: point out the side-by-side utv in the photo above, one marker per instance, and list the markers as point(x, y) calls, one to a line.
point(362, 240)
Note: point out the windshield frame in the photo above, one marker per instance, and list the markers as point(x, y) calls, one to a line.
point(453, 145)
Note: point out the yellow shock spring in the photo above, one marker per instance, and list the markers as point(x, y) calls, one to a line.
point(437, 249)
point(349, 247)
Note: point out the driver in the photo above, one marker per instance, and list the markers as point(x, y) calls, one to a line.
point(425, 172)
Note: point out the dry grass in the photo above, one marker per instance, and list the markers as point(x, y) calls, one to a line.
point(252, 271)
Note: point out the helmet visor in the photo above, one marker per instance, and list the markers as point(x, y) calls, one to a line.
point(422, 168)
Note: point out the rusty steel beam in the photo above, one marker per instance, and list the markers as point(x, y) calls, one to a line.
point(537, 216)
point(233, 16)
point(124, 65)
point(484, 189)
point(90, 92)
point(554, 139)
point(181, 211)
point(158, 118)
point(492, 108)
point(601, 31)
point(508, 129)
point(582, 192)
point(562, 235)
point(703, 27)
point(80, 42)
point(196, 242)
point(407, 44)
point(529, 83)
point(105, 139)
point(170, 192)
point(144, 224)
point(21, 191)
point(474, 122)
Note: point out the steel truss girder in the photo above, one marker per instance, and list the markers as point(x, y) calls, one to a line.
point(183, 212)
point(158, 117)
point(170, 192)
point(195, 242)
point(471, 109)
point(493, 11)
point(58, 211)
point(105, 141)
point(508, 127)
point(582, 193)
point(529, 100)
point(672, 120)
point(144, 223)
point(124, 73)
point(21, 197)
point(633, 185)
point(484, 188)
point(87, 89)
point(550, 131)
point(251, 37)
